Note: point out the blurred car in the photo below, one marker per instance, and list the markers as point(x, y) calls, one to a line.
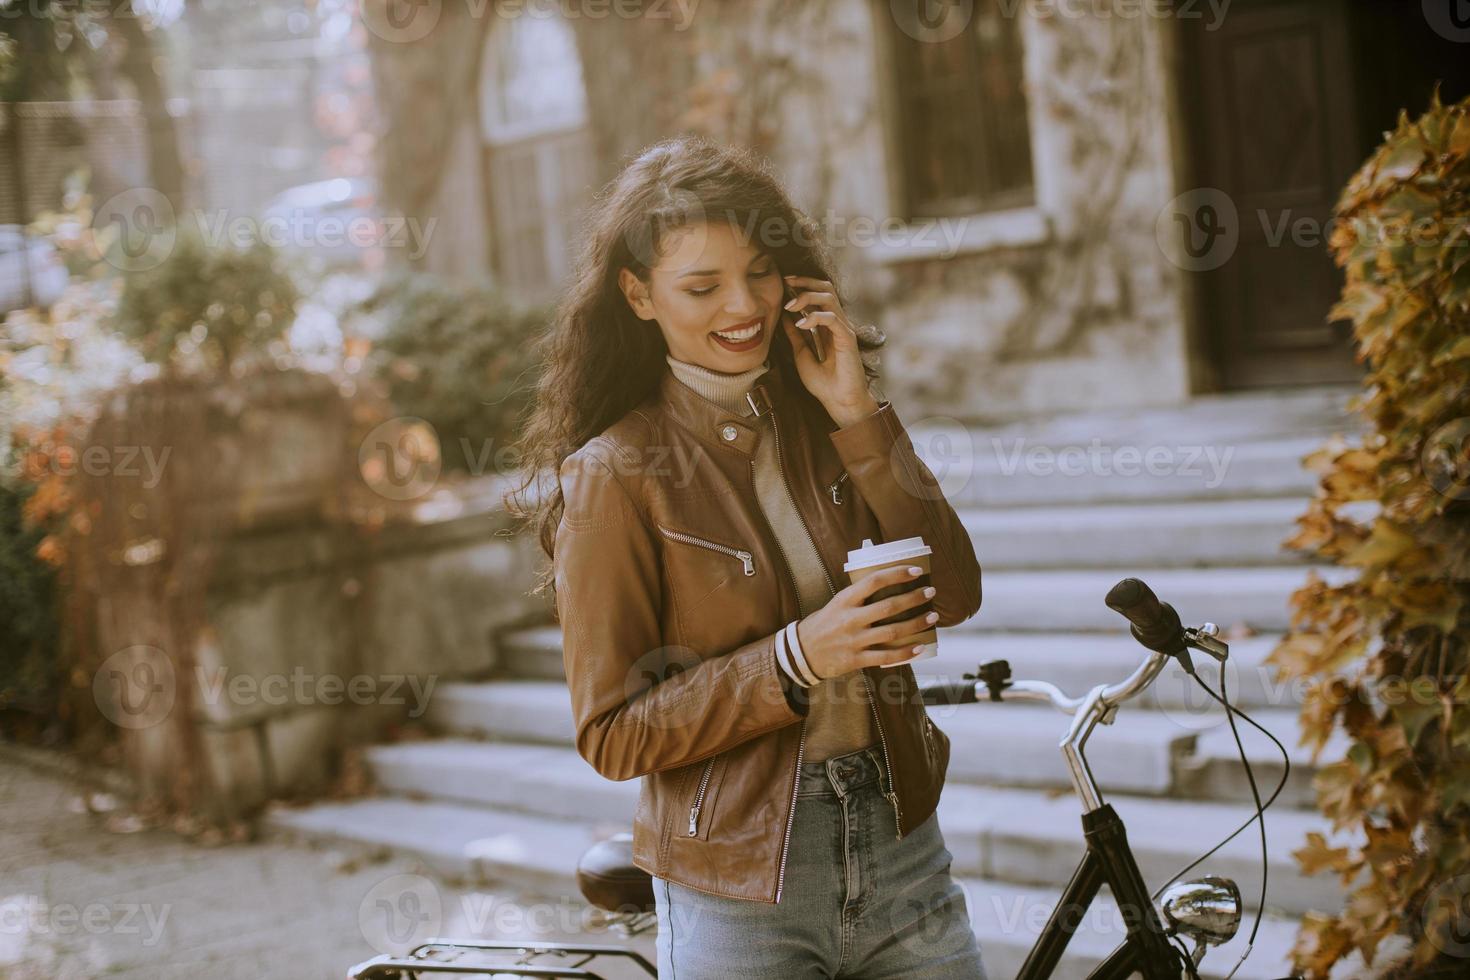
point(32, 273)
point(334, 220)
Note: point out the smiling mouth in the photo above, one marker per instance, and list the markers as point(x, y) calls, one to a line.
point(741, 334)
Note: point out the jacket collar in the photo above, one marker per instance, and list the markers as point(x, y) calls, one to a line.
point(716, 425)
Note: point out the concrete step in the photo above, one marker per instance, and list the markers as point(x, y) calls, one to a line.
point(986, 470)
point(533, 653)
point(1234, 418)
point(1212, 770)
point(1030, 837)
point(457, 840)
point(1076, 662)
point(1147, 752)
point(1159, 534)
point(1026, 601)
point(1026, 836)
point(507, 711)
point(538, 780)
point(1052, 601)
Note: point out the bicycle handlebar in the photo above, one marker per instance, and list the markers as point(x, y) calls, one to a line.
point(1155, 625)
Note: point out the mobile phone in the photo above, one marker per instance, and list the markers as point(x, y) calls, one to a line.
point(813, 337)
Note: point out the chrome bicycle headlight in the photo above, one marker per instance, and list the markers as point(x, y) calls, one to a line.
point(1204, 909)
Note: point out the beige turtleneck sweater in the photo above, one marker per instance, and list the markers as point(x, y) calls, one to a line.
point(840, 719)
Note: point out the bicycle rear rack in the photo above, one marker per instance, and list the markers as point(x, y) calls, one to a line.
point(463, 957)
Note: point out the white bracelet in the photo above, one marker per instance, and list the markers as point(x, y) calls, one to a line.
point(793, 645)
point(783, 659)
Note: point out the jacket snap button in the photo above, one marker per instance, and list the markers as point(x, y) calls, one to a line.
point(729, 433)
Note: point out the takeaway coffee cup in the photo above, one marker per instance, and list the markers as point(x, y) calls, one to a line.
point(872, 558)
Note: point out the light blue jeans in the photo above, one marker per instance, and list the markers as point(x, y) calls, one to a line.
point(856, 903)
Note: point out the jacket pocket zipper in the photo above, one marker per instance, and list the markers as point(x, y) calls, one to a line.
point(891, 794)
point(709, 767)
point(747, 560)
point(835, 488)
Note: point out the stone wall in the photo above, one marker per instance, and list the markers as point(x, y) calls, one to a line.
point(317, 642)
point(1068, 304)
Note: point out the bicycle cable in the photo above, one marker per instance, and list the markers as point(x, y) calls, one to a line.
point(1230, 712)
point(1185, 959)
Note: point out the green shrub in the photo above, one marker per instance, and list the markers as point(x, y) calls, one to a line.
point(458, 357)
point(30, 665)
point(209, 306)
point(1387, 655)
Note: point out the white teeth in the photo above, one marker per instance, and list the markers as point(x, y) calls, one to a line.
point(739, 335)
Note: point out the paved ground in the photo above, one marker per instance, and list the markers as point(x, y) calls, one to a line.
point(88, 894)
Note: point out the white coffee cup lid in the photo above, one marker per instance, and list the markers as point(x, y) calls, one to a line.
point(871, 554)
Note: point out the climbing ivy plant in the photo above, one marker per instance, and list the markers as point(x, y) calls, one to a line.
point(1384, 655)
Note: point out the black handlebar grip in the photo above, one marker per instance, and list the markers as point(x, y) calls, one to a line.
point(1155, 624)
point(947, 692)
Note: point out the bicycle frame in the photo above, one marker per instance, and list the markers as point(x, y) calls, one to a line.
point(1108, 860)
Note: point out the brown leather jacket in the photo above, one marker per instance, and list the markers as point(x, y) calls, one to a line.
point(670, 588)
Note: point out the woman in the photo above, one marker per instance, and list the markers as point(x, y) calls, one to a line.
point(712, 476)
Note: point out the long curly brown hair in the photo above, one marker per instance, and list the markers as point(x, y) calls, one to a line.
point(600, 360)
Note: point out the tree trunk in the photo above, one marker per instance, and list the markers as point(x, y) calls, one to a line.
point(165, 165)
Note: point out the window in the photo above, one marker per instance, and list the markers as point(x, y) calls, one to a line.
point(533, 117)
point(963, 137)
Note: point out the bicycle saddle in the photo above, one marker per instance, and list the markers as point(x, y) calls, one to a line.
point(610, 880)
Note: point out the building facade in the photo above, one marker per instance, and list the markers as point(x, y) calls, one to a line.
point(1047, 206)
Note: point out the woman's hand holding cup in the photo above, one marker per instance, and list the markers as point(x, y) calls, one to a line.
point(841, 636)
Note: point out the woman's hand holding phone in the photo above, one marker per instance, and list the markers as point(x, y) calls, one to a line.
point(838, 382)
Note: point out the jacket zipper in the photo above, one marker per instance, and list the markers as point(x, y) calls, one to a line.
point(746, 558)
point(836, 488)
point(709, 767)
point(892, 795)
point(801, 744)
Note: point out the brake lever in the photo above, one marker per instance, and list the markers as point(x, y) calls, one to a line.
point(1206, 638)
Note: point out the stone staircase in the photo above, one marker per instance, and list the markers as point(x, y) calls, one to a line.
point(501, 794)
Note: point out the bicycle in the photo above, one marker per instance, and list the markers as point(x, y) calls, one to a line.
point(1205, 910)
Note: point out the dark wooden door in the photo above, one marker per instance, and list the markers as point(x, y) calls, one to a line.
point(1269, 100)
